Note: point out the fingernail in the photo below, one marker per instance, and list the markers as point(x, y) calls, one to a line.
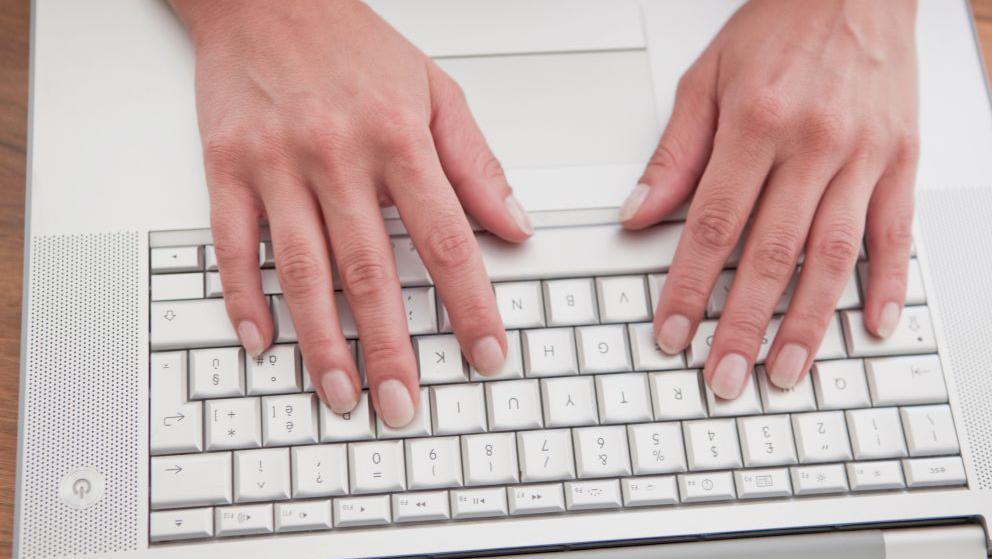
point(888, 319)
point(487, 356)
point(728, 379)
point(395, 405)
point(251, 338)
point(519, 214)
point(634, 201)
point(788, 366)
point(674, 334)
point(339, 391)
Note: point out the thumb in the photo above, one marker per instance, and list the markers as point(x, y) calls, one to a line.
point(472, 169)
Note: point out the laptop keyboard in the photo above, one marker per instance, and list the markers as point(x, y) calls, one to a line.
point(587, 414)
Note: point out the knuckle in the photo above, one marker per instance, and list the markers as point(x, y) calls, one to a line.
point(384, 353)
point(687, 291)
point(364, 272)
point(450, 246)
point(299, 269)
point(667, 154)
point(231, 254)
point(717, 225)
point(764, 113)
point(824, 129)
point(475, 306)
point(223, 150)
point(490, 165)
point(775, 257)
point(689, 86)
point(907, 146)
point(839, 247)
point(747, 325)
point(899, 232)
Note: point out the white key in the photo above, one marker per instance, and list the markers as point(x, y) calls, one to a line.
point(352, 351)
point(622, 299)
point(596, 494)
point(233, 423)
point(763, 484)
point(191, 480)
point(265, 256)
point(875, 476)
point(458, 408)
point(549, 352)
point(913, 334)
point(876, 433)
point(602, 349)
point(217, 373)
point(419, 426)
point(421, 310)
point(213, 286)
point(832, 345)
point(286, 330)
point(821, 437)
point(649, 491)
point(361, 511)
point(656, 448)
point(536, 499)
point(433, 463)
point(934, 472)
point(623, 398)
point(376, 467)
point(570, 302)
point(721, 289)
point(243, 520)
point(409, 267)
point(647, 356)
point(192, 323)
point(185, 524)
point(303, 516)
point(513, 404)
point(176, 425)
point(513, 366)
point(261, 475)
point(745, 404)
point(478, 503)
point(569, 401)
point(777, 400)
point(519, 304)
point(421, 507)
point(906, 380)
point(444, 320)
point(766, 441)
point(356, 425)
point(277, 371)
point(176, 259)
point(929, 430)
point(711, 444)
point(601, 451)
point(289, 419)
point(677, 395)
point(915, 294)
point(173, 287)
point(440, 359)
point(546, 455)
point(319, 470)
point(815, 480)
point(709, 486)
point(655, 284)
point(699, 348)
point(840, 384)
point(490, 459)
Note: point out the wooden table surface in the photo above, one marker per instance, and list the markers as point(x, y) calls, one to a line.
point(14, 17)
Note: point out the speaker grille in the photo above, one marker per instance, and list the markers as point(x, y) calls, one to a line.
point(957, 235)
point(82, 384)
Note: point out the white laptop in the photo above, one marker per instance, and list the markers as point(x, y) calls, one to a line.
point(144, 432)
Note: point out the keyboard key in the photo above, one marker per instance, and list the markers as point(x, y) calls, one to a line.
point(934, 472)
point(419, 426)
point(875, 476)
point(907, 380)
point(647, 356)
point(623, 398)
point(876, 433)
point(478, 503)
point(185, 524)
point(356, 425)
point(677, 395)
point(458, 408)
point(763, 484)
point(569, 401)
point(598, 494)
point(915, 294)
point(421, 310)
point(709, 486)
point(261, 475)
point(745, 404)
point(821, 437)
point(622, 299)
point(549, 352)
point(816, 480)
point(490, 459)
point(929, 430)
point(649, 491)
point(799, 398)
point(912, 335)
point(191, 480)
point(513, 366)
point(766, 440)
point(832, 345)
point(424, 506)
point(513, 404)
point(176, 425)
point(233, 423)
point(303, 516)
point(243, 520)
point(174, 287)
point(520, 304)
point(433, 463)
point(194, 323)
point(655, 284)
point(536, 499)
point(699, 348)
point(361, 511)
point(656, 448)
point(840, 384)
point(277, 371)
point(289, 419)
point(601, 451)
point(352, 351)
point(440, 359)
point(711, 444)
point(570, 302)
point(319, 470)
point(176, 259)
point(217, 373)
point(546, 455)
point(376, 467)
point(602, 349)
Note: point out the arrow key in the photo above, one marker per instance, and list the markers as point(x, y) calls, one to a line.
point(184, 524)
point(191, 480)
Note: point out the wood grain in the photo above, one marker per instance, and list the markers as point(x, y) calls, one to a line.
point(14, 25)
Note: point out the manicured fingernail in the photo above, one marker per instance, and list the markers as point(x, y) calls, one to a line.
point(487, 356)
point(251, 338)
point(339, 391)
point(888, 319)
point(519, 214)
point(674, 334)
point(395, 404)
point(788, 366)
point(634, 201)
point(728, 379)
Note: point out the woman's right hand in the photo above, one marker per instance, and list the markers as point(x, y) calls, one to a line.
point(312, 114)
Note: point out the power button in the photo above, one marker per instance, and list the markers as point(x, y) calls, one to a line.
point(82, 488)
